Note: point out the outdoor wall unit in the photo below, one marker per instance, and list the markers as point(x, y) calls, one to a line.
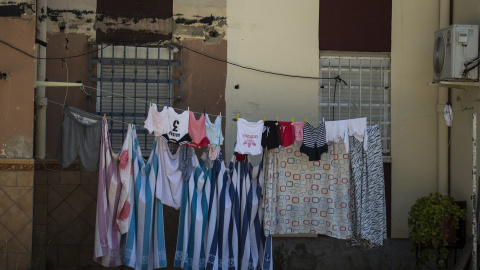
point(455, 53)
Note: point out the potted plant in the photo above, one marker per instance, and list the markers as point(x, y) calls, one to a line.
point(433, 221)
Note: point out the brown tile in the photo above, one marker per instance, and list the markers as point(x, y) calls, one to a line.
point(92, 190)
point(85, 258)
point(5, 202)
point(16, 193)
point(8, 178)
point(79, 199)
point(65, 239)
point(89, 178)
point(54, 199)
point(14, 219)
point(14, 246)
point(52, 256)
point(39, 237)
point(90, 213)
point(68, 256)
point(79, 229)
point(40, 194)
point(26, 203)
point(89, 239)
point(5, 235)
point(39, 257)
point(64, 190)
point(40, 213)
point(69, 178)
point(24, 179)
point(40, 178)
point(18, 261)
point(25, 236)
point(53, 177)
point(53, 230)
point(64, 214)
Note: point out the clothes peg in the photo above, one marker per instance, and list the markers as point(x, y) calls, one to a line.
point(292, 120)
point(220, 114)
point(188, 109)
point(323, 120)
point(238, 116)
point(277, 119)
point(151, 102)
point(105, 115)
point(306, 121)
point(204, 111)
point(263, 119)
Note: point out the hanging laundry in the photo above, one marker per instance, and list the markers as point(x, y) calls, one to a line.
point(341, 129)
point(247, 212)
point(190, 251)
point(107, 237)
point(144, 246)
point(169, 178)
point(271, 137)
point(157, 122)
point(197, 131)
point(80, 136)
point(177, 127)
point(287, 133)
point(314, 142)
point(302, 196)
point(298, 128)
point(369, 218)
point(249, 137)
point(126, 178)
point(214, 135)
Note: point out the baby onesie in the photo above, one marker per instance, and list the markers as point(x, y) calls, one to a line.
point(249, 137)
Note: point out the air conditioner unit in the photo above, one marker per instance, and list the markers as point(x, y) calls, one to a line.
point(454, 53)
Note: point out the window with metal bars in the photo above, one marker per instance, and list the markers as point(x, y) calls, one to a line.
point(128, 80)
point(367, 93)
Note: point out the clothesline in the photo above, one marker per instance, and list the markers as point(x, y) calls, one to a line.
point(224, 116)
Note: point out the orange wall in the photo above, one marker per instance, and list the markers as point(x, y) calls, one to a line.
point(17, 92)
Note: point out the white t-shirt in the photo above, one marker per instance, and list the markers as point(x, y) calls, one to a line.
point(178, 127)
point(157, 122)
point(169, 177)
point(249, 137)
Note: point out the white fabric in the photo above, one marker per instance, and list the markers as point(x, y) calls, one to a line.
point(249, 137)
point(341, 129)
point(169, 179)
point(178, 124)
point(126, 177)
point(214, 131)
point(448, 115)
point(157, 122)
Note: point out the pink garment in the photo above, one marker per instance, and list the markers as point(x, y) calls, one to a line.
point(196, 129)
point(298, 127)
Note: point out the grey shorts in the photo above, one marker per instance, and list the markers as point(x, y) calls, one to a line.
point(80, 136)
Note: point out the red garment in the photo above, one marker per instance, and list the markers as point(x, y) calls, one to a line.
point(239, 157)
point(196, 129)
point(287, 133)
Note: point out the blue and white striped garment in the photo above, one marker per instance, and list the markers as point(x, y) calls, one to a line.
point(190, 252)
point(248, 213)
point(145, 239)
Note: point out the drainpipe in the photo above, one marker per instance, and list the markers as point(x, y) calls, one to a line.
point(442, 144)
point(41, 100)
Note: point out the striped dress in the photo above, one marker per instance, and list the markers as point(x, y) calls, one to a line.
point(126, 176)
point(314, 141)
point(190, 251)
point(145, 240)
point(107, 237)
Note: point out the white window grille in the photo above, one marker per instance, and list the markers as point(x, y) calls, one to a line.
point(367, 93)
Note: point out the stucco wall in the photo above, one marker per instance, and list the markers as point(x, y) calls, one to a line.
point(17, 92)
point(414, 122)
point(262, 39)
point(464, 104)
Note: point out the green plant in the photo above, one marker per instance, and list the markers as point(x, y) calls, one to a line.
point(431, 220)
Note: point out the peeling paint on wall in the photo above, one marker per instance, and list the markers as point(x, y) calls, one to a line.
point(210, 28)
point(15, 9)
point(71, 21)
point(18, 147)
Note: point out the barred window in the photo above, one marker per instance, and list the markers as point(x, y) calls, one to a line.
point(128, 80)
point(367, 93)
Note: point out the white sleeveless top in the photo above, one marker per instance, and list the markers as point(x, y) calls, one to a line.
point(178, 127)
point(249, 137)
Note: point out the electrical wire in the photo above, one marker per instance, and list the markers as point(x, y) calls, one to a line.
point(52, 58)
